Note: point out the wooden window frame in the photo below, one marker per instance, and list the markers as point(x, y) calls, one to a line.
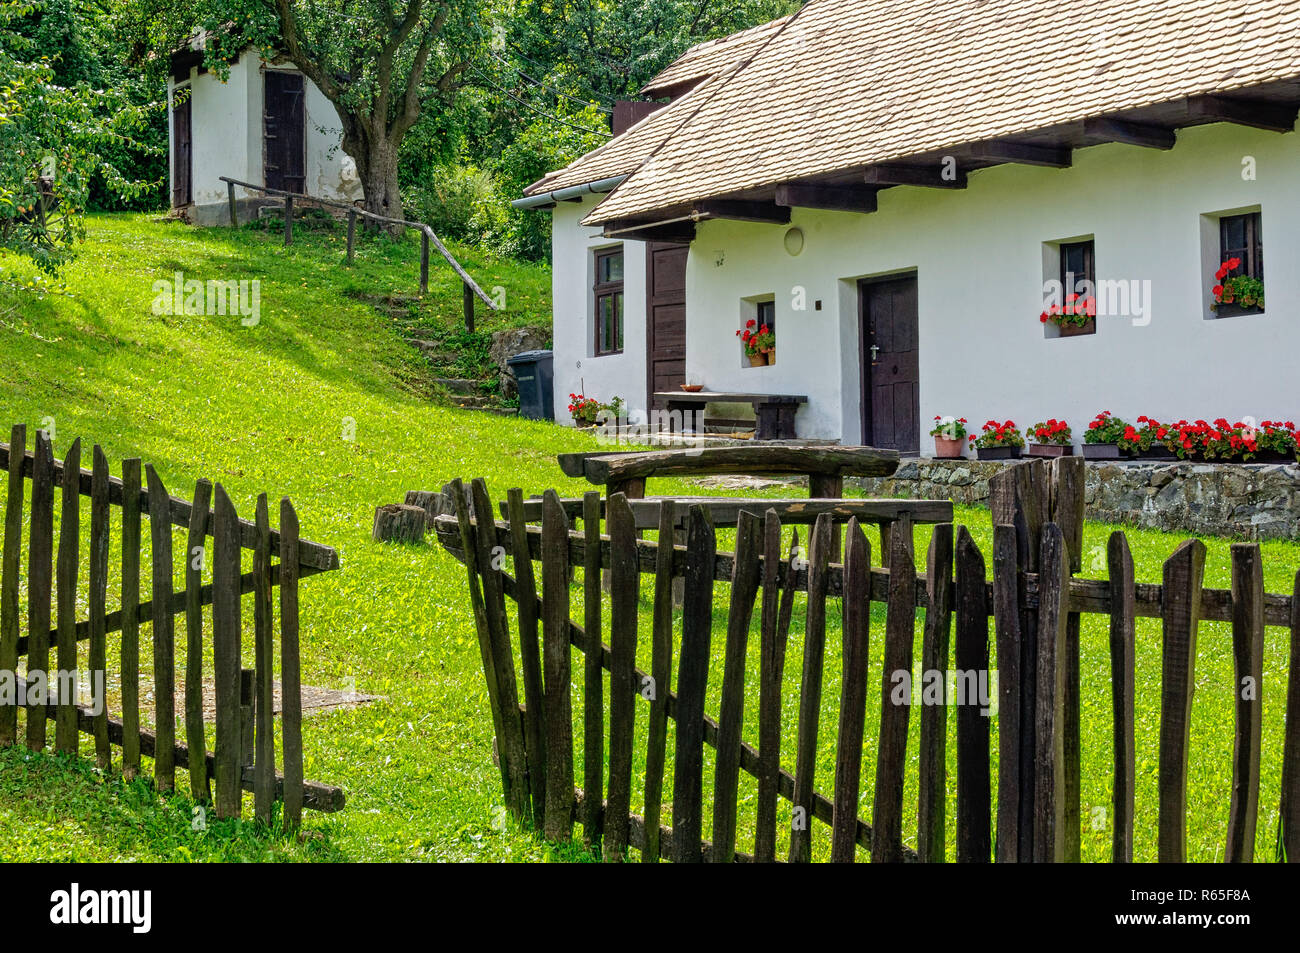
point(614, 291)
point(1068, 287)
point(1252, 254)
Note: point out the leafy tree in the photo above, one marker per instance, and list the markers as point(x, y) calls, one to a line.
point(54, 136)
point(380, 63)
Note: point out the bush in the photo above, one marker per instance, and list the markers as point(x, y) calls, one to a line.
point(462, 203)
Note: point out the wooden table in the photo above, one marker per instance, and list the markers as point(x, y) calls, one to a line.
point(773, 413)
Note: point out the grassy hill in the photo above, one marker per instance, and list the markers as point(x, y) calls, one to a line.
point(267, 408)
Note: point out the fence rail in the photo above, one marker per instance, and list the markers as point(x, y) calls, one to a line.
point(1029, 812)
point(244, 756)
point(427, 238)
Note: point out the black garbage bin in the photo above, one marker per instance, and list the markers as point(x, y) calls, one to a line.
point(535, 376)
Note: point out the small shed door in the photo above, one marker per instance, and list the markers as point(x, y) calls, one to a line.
point(665, 318)
point(891, 389)
point(182, 150)
point(284, 129)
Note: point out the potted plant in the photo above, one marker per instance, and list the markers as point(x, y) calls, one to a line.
point(585, 410)
point(1052, 438)
point(760, 343)
point(1077, 316)
point(1151, 440)
point(1103, 438)
point(998, 441)
point(1239, 294)
point(948, 434)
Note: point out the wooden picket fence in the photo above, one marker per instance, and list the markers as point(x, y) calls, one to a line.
point(244, 757)
point(1034, 603)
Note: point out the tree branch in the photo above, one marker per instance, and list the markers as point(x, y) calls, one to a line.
point(296, 52)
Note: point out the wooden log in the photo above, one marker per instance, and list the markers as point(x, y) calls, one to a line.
point(625, 588)
point(558, 720)
point(491, 560)
point(1049, 740)
point(896, 691)
point(98, 604)
point(810, 693)
point(164, 653)
point(764, 460)
point(1183, 573)
point(661, 667)
point(40, 579)
point(932, 773)
point(853, 694)
point(1248, 658)
point(290, 667)
point(593, 676)
point(228, 761)
point(9, 569)
point(1123, 630)
point(195, 559)
point(130, 618)
point(469, 532)
point(731, 713)
point(398, 523)
point(778, 608)
point(1288, 828)
point(431, 502)
point(264, 656)
point(530, 657)
point(974, 833)
point(692, 684)
point(66, 573)
point(1006, 624)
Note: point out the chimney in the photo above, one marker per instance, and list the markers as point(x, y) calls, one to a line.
point(629, 112)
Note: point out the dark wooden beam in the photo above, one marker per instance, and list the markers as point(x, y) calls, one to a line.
point(744, 211)
point(888, 174)
point(1055, 157)
point(1262, 114)
point(1144, 134)
point(833, 198)
point(678, 232)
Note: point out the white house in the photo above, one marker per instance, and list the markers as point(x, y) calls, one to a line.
point(266, 124)
point(900, 187)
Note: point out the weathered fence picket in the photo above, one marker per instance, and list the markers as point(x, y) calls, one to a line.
point(971, 682)
point(54, 693)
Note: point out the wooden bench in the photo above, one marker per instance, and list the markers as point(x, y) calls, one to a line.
point(773, 413)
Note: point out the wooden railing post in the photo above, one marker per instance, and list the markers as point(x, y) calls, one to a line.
point(424, 262)
point(288, 220)
point(467, 300)
point(352, 234)
point(234, 208)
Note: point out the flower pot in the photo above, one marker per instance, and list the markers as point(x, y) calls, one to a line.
point(758, 360)
point(1050, 450)
point(1073, 330)
point(998, 453)
point(1273, 456)
point(946, 449)
point(1101, 451)
point(1157, 453)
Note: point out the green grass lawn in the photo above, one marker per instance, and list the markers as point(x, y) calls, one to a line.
point(266, 409)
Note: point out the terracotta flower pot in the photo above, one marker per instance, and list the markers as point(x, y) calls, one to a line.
point(947, 449)
point(757, 360)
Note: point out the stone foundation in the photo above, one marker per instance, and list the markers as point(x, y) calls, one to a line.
point(1250, 501)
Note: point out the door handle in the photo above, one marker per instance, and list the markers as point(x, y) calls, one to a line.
point(875, 353)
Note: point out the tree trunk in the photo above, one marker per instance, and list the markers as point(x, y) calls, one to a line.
point(377, 166)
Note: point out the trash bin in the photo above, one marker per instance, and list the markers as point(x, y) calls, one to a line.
point(535, 376)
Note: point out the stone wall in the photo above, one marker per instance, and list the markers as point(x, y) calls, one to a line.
point(1251, 501)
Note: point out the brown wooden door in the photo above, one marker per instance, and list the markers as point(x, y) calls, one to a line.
point(182, 151)
point(284, 131)
point(891, 392)
point(665, 318)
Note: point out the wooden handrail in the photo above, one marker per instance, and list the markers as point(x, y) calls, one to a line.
point(429, 238)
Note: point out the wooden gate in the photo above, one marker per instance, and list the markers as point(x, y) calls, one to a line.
point(244, 757)
point(1028, 812)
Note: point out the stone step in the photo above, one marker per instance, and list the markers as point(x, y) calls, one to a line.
point(460, 386)
point(472, 402)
